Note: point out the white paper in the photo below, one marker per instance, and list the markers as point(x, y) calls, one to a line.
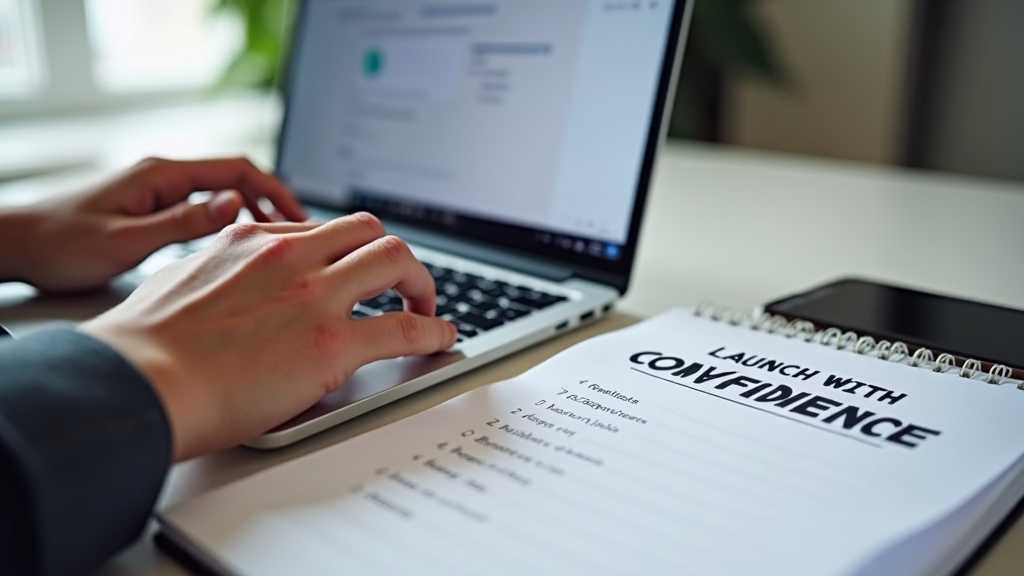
point(593, 463)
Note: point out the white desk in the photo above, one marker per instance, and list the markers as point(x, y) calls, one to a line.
point(729, 225)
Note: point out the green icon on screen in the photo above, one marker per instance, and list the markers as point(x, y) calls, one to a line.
point(373, 62)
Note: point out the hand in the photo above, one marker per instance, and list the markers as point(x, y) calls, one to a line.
point(82, 241)
point(247, 333)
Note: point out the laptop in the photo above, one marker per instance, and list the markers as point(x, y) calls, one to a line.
point(510, 143)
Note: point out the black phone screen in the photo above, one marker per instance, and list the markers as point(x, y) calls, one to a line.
point(963, 328)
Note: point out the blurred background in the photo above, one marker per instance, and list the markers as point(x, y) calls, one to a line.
point(930, 84)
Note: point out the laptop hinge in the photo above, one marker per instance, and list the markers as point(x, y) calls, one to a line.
point(478, 251)
point(523, 263)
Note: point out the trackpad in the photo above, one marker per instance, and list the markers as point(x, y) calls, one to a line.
point(373, 379)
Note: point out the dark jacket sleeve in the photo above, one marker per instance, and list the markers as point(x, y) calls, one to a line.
point(84, 449)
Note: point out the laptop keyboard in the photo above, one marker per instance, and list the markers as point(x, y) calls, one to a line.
point(473, 303)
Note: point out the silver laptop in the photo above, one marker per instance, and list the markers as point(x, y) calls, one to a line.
point(509, 142)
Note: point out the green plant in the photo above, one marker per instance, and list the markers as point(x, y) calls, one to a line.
point(726, 40)
point(261, 60)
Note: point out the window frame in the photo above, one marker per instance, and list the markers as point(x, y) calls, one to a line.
point(69, 85)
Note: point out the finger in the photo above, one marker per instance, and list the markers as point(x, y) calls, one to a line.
point(338, 238)
point(290, 227)
point(259, 214)
point(401, 334)
point(184, 221)
point(382, 264)
point(174, 180)
point(244, 232)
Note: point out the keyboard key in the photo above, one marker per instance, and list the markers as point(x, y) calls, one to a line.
point(438, 272)
point(484, 284)
point(492, 311)
point(444, 305)
point(473, 279)
point(475, 296)
point(445, 310)
point(466, 330)
point(473, 303)
point(536, 300)
point(513, 313)
point(482, 322)
point(505, 302)
point(389, 301)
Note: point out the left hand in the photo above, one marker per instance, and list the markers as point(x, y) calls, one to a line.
point(82, 241)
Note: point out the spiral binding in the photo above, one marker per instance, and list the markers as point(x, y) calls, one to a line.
point(851, 341)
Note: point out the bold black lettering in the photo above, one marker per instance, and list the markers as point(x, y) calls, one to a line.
point(710, 374)
point(737, 381)
point(851, 416)
point(892, 397)
point(637, 358)
point(873, 390)
point(806, 374)
point(786, 370)
point(913, 431)
point(751, 360)
point(834, 381)
point(688, 370)
point(856, 386)
point(673, 363)
point(770, 365)
point(869, 428)
point(714, 353)
point(792, 400)
point(753, 391)
point(820, 403)
point(780, 392)
point(737, 357)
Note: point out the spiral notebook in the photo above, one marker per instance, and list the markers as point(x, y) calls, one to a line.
point(707, 444)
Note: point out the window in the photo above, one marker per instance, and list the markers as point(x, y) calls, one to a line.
point(21, 71)
point(143, 45)
point(80, 55)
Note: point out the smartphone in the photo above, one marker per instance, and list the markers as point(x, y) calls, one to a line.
point(966, 329)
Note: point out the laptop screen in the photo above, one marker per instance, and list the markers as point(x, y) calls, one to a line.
point(527, 123)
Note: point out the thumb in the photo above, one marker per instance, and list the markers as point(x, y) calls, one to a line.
point(185, 221)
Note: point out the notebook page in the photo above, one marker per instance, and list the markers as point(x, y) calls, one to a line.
point(676, 446)
point(957, 535)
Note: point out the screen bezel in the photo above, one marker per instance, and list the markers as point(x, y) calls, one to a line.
point(614, 272)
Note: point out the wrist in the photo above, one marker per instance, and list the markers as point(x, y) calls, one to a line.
point(182, 400)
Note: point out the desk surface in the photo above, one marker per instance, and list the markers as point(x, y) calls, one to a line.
point(733, 226)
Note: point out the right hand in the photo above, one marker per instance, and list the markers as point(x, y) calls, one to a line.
point(256, 328)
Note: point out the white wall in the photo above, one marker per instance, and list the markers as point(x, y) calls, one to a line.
point(978, 119)
point(847, 59)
